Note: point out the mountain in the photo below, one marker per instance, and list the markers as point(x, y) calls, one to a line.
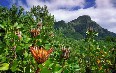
point(77, 28)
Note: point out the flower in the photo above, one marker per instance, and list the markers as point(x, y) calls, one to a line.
point(35, 32)
point(39, 25)
point(18, 33)
point(98, 61)
point(65, 53)
point(40, 54)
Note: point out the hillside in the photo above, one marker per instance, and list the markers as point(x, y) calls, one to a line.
point(77, 28)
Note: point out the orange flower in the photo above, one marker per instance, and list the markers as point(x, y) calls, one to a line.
point(35, 32)
point(40, 54)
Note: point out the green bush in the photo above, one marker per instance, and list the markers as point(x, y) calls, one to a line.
point(17, 35)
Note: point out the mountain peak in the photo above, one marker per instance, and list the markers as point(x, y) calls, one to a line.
point(82, 19)
point(80, 26)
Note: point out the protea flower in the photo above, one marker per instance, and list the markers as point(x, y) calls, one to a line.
point(65, 53)
point(39, 25)
point(35, 32)
point(18, 33)
point(40, 54)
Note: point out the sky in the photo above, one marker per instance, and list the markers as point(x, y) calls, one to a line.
point(101, 11)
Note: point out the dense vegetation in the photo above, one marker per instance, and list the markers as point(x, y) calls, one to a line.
point(23, 34)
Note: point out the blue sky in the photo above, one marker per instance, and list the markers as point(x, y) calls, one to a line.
point(101, 11)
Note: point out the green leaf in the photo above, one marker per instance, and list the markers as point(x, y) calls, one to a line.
point(59, 71)
point(27, 70)
point(25, 54)
point(44, 70)
point(47, 63)
point(24, 62)
point(56, 68)
point(4, 66)
point(1, 26)
point(2, 58)
point(76, 66)
point(18, 49)
point(26, 39)
point(51, 65)
point(47, 46)
point(16, 24)
point(14, 66)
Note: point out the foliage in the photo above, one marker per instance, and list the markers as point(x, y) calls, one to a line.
point(110, 39)
point(21, 30)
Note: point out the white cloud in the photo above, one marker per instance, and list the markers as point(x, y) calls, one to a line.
point(113, 29)
point(104, 13)
point(104, 3)
point(56, 4)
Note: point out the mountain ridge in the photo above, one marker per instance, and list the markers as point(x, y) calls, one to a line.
point(77, 28)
